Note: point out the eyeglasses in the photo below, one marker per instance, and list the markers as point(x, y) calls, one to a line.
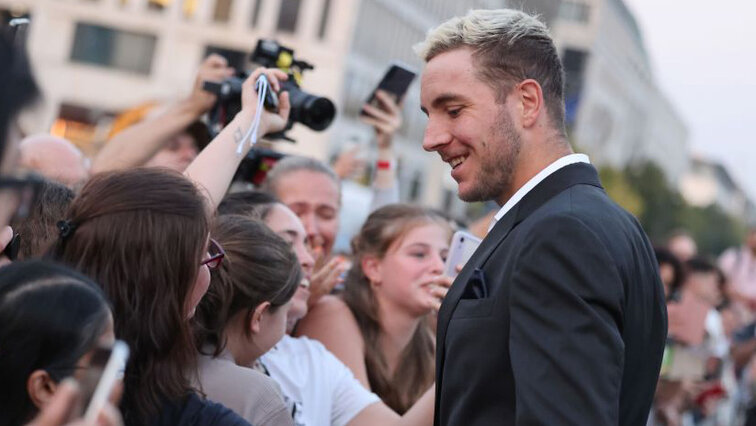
point(21, 192)
point(216, 255)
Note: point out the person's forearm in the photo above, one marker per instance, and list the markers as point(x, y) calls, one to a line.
point(135, 145)
point(422, 412)
point(215, 166)
point(385, 177)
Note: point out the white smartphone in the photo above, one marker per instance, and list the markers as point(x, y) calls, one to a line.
point(106, 367)
point(463, 245)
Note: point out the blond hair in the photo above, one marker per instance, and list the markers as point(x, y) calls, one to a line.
point(508, 46)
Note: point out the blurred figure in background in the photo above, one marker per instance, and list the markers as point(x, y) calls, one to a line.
point(171, 136)
point(39, 230)
point(739, 265)
point(682, 245)
point(18, 90)
point(671, 271)
point(54, 158)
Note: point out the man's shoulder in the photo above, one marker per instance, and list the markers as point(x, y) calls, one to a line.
point(586, 205)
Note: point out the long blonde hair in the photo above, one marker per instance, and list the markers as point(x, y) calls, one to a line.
point(415, 371)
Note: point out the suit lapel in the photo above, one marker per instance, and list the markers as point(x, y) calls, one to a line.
point(574, 174)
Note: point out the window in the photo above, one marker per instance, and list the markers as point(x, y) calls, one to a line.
point(124, 50)
point(574, 62)
point(158, 5)
point(288, 14)
point(222, 10)
point(324, 19)
point(189, 8)
point(574, 11)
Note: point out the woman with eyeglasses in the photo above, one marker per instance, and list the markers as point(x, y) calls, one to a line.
point(243, 315)
point(144, 235)
point(52, 319)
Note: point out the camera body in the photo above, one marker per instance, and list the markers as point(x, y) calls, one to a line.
point(313, 111)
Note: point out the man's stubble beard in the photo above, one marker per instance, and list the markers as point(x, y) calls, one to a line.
point(497, 169)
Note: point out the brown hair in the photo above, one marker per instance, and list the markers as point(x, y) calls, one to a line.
point(259, 267)
point(141, 234)
point(415, 371)
point(38, 230)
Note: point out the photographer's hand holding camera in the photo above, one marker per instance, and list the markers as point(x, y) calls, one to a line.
point(214, 167)
point(136, 145)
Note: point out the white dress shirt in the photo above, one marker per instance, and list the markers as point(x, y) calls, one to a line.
point(535, 180)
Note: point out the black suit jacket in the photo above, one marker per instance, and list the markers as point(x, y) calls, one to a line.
point(557, 319)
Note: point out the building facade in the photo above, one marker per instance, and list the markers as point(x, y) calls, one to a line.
point(97, 58)
point(615, 110)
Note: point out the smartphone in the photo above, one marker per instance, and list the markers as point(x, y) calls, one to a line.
point(463, 245)
point(106, 367)
point(11, 250)
point(396, 81)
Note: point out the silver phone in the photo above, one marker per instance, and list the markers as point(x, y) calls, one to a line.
point(463, 245)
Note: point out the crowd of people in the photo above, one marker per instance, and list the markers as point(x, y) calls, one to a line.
point(237, 310)
point(209, 287)
point(707, 376)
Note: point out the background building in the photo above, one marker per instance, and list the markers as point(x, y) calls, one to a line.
point(709, 183)
point(615, 110)
point(96, 58)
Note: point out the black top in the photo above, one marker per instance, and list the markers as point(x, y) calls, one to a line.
point(195, 411)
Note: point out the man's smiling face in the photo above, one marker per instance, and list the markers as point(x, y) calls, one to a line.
point(468, 126)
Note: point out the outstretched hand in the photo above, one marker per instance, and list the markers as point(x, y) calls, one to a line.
point(386, 118)
point(270, 122)
point(214, 68)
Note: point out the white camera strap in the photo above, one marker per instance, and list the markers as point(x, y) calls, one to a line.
point(261, 85)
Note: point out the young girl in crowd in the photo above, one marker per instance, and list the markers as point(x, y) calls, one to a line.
point(243, 315)
point(379, 329)
point(322, 390)
point(143, 234)
point(52, 319)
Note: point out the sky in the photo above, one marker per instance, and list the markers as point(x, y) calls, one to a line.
point(703, 56)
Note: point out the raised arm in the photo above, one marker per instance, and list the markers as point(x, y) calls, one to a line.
point(386, 120)
point(215, 166)
point(135, 145)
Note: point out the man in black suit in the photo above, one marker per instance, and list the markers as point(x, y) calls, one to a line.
point(559, 317)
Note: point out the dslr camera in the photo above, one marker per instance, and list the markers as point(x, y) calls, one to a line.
point(315, 112)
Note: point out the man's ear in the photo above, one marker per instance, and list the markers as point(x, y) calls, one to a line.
point(371, 267)
point(41, 388)
point(529, 97)
point(255, 322)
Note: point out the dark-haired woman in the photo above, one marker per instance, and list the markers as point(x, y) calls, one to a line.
point(144, 235)
point(243, 315)
point(51, 320)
